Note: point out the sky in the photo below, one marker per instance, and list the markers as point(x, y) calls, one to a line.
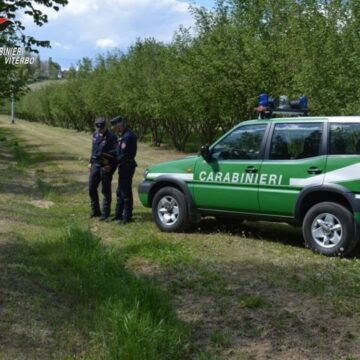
point(91, 27)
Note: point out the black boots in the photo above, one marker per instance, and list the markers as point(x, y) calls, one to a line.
point(121, 220)
point(104, 217)
point(117, 218)
point(125, 221)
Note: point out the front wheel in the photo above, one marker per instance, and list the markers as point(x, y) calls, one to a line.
point(328, 228)
point(169, 210)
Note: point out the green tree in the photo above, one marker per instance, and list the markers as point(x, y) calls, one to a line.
point(209, 78)
point(11, 77)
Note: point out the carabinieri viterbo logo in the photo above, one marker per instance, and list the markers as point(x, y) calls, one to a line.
point(4, 23)
point(13, 55)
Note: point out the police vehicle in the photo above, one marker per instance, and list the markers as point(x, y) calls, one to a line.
point(302, 170)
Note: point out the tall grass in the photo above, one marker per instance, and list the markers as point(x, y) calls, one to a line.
point(128, 317)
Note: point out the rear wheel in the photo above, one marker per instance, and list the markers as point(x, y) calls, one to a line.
point(170, 211)
point(328, 228)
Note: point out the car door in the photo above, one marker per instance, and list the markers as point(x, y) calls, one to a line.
point(343, 162)
point(229, 180)
point(295, 158)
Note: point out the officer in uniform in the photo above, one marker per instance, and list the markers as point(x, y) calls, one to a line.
point(102, 167)
point(126, 153)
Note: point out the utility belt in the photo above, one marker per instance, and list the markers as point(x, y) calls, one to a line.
point(103, 160)
point(128, 163)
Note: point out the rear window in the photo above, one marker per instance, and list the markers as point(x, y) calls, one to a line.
point(296, 141)
point(345, 139)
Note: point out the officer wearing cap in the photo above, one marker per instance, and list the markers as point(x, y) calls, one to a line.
point(102, 166)
point(125, 156)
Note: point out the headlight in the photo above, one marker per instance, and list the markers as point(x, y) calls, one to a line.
point(146, 172)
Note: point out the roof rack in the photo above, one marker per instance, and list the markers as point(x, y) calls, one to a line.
point(267, 113)
point(267, 107)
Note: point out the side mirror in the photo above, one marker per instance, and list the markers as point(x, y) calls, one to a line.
point(205, 152)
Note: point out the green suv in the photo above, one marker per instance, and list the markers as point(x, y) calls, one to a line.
point(303, 171)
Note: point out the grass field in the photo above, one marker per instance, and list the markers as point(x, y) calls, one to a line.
point(74, 288)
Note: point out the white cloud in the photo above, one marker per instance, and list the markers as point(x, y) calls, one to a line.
point(80, 7)
point(106, 43)
point(57, 44)
point(90, 26)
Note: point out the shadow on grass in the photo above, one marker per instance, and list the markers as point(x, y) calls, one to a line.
point(280, 233)
point(274, 232)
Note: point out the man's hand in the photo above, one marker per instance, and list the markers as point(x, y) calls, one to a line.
point(107, 168)
point(89, 167)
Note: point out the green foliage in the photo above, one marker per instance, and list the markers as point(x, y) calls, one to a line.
point(13, 78)
point(11, 10)
point(43, 70)
point(208, 80)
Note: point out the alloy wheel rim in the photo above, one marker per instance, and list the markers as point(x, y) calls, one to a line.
point(168, 210)
point(327, 230)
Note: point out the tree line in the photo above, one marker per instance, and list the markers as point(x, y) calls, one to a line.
point(44, 70)
point(208, 78)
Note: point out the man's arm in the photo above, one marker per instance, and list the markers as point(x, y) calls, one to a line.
point(92, 154)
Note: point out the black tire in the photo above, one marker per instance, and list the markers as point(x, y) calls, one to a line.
point(324, 241)
point(182, 222)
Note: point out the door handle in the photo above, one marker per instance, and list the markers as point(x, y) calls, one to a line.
point(251, 170)
point(314, 171)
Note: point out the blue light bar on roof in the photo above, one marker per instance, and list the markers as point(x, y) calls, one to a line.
point(268, 106)
point(304, 102)
point(264, 100)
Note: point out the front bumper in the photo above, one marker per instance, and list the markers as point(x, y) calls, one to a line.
point(143, 191)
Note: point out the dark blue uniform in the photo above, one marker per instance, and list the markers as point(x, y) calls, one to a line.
point(103, 153)
point(126, 153)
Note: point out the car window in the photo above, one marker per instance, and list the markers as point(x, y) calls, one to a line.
point(296, 141)
point(344, 139)
point(244, 143)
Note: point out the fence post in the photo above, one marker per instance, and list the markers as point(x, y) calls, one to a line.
point(12, 108)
